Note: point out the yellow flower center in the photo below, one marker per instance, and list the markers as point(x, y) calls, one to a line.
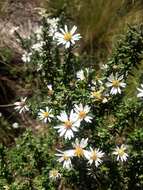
point(94, 156)
point(67, 36)
point(79, 151)
point(50, 92)
point(121, 152)
point(115, 83)
point(68, 124)
point(54, 173)
point(46, 114)
point(97, 95)
point(82, 114)
point(22, 104)
point(65, 157)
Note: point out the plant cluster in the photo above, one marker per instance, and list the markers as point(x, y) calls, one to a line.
point(92, 136)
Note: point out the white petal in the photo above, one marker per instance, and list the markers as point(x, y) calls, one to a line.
point(62, 132)
point(120, 78)
point(69, 134)
point(63, 117)
point(108, 84)
point(73, 116)
point(88, 119)
point(140, 95)
point(119, 90)
point(114, 91)
point(77, 123)
point(122, 84)
point(67, 44)
point(66, 28)
point(74, 129)
point(73, 30)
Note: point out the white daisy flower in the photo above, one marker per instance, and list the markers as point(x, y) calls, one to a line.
point(21, 106)
point(82, 112)
point(69, 125)
point(65, 158)
point(79, 147)
point(103, 66)
point(0, 114)
point(94, 156)
point(53, 26)
point(26, 57)
point(99, 96)
point(50, 89)
point(45, 115)
point(140, 94)
point(120, 153)
point(80, 75)
point(38, 46)
point(115, 83)
point(54, 174)
point(15, 125)
point(67, 37)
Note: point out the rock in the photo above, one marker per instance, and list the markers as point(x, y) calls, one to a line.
point(21, 15)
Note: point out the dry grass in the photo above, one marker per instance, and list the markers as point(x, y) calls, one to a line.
point(101, 22)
